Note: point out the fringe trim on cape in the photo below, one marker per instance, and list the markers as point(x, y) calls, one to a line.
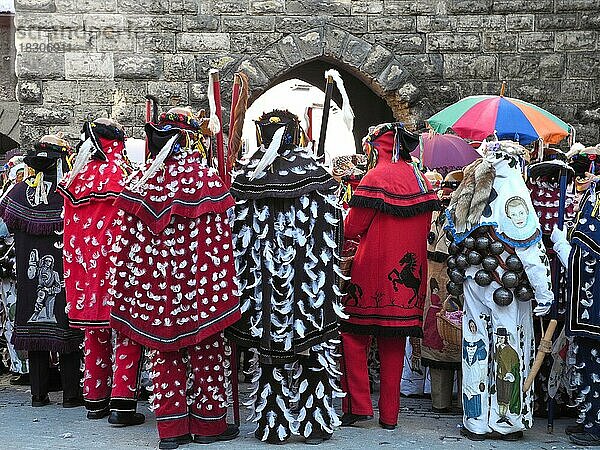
point(17, 222)
point(400, 211)
point(376, 330)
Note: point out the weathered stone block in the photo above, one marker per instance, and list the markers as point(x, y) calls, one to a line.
point(469, 6)
point(61, 92)
point(31, 41)
point(424, 66)
point(367, 7)
point(576, 91)
point(158, 23)
point(587, 132)
point(518, 6)
point(45, 21)
point(536, 41)
point(88, 112)
point(30, 134)
point(105, 21)
point(72, 133)
point(428, 24)
point(90, 66)
point(377, 59)
point(555, 22)
point(197, 92)
point(248, 23)
point(156, 42)
point(256, 77)
point(468, 66)
point(180, 66)
point(229, 7)
point(563, 111)
point(441, 93)
point(46, 115)
point(584, 65)
point(7, 90)
point(29, 91)
point(296, 24)
point(523, 66)
point(71, 41)
point(226, 63)
point(116, 41)
point(169, 92)
point(40, 65)
point(129, 114)
point(203, 42)
point(393, 76)
point(96, 91)
point(266, 6)
point(487, 22)
point(199, 23)
point(272, 63)
point(190, 7)
point(576, 40)
point(588, 114)
point(35, 5)
point(401, 7)
point(130, 91)
point(310, 43)
point(289, 49)
point(143, 6)
point(536, 92)
point(572, 5)
point(552, 65)
point(499, 42)
point(314, 7)
point(71, 6)
point(589, 20)
point(135, 66)
point(453, 42)
point(356, 25)
point(402, 43)
point(397, 24)
point(334, 40)
point(520, 22)
point(252, 43)
point(356, 51)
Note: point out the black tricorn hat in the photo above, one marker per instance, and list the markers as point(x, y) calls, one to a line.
point(46, 152)
point(270, 122)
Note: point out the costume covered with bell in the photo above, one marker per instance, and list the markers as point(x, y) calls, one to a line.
point(287, 238)
point(89, 190)
point(173, 279)
point(32, 210)
point(499, 262)
point(390, 215)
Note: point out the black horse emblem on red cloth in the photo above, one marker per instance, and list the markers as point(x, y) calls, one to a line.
point(406, 276)
point(354, 293)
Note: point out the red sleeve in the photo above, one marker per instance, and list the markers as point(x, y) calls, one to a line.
point(358, 222)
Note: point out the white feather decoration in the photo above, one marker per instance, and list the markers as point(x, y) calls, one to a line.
point(270, 154)
point(347, 112)
point(213, 123)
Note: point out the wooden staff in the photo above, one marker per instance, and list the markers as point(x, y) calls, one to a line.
point(219, 137)
point(235, 94)
point(544, 348)
point(325, 117)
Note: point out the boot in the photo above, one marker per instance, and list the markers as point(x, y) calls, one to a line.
point(124, 419)
point(230, 433)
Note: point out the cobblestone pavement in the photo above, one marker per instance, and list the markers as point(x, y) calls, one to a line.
point(52, 427)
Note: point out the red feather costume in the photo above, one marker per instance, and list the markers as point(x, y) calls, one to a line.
point(390, 214)
point(173, 283)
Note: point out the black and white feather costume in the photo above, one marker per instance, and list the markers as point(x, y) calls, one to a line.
point(287, 234)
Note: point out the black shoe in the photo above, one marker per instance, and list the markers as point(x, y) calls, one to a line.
point(575, 429)
point(100, 414)
point(230, 433)
point(125, 419)
point(472, 436)
point(74, 402)
point(587, 439)
point(174, 442)
point(20, 380)
point(37, 401)
point(512, 437)
point(385, 426)
point(349, 419)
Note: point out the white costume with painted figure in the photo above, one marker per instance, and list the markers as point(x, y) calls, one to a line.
point(499, 263)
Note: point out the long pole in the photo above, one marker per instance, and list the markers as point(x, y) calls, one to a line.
point(235, 95)
point(325, 118)
point(219, 137)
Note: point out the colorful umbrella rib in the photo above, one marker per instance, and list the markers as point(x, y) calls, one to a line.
point(480, 116)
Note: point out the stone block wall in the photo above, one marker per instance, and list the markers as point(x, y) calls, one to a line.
point(79, 59)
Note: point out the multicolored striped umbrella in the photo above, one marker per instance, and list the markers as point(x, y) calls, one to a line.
point(480, 116)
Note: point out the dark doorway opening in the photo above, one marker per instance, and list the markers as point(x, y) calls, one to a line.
point(369, 108)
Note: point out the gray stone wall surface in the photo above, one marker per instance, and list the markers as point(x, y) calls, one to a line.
point(79, 59)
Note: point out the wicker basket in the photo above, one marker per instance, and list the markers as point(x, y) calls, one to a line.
point(448, 331)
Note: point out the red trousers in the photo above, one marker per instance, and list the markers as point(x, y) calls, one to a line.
point(189, 389)
point(105, 382)
point(355, 378)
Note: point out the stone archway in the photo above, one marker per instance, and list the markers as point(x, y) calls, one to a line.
point(368, 67)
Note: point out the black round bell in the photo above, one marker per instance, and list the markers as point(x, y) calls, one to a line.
point(469, 242)
point(461, 262)
point(503, 297)
point(496, 248)
point(431, 237)
point(483, 278)
point(524, 293)
point(514, 263)
point(451, 262)
point(482, 243)
point(449, 236)
point(474, 258)
point(510, 279)
point(456, 276)
point(453, 249)
point(454, 288)
point(480, 231)
point(489, 263)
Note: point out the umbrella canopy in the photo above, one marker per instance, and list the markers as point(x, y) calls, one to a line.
point(480, 116)
point(444, 152)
